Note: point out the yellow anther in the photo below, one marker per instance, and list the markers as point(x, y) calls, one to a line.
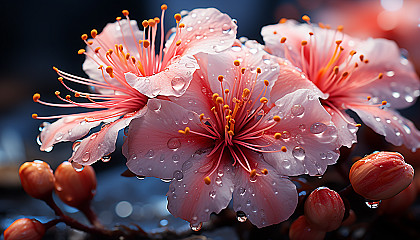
point(34, 115)
point(177, 17)
point(304, 43)
point(253, 173)
point(207, 180)
point(381, 75)
point(133, 59)
point(226, 107)
point(219, 100)
point(243, 70)
point(157, 20)
point(36, 97)
point(118, 18)
point(68, 97)
point(55, 69)
point(110, 71)
point(57, 93)
point(201, 116)
point(97, 49)
point(283, 20)
point(146, 43)
point(93, 33)
point(264, 171)
point(368, 98)
point(125, 13)
point(81, 51)
point(220, 78)
point(84, 37)
point(340, 28)
point(277, 135)
point(236, 63)
point(283, 149)
point(182, 25)
point(76, 94)
point(263, 100)
point(151, 22)
point(336, 69)
point(231, 133)
point(246, 92)
point(120, 47)
point(60, 79)
point(215, 96)
point(384, 103)
point(258, 70)
point(266, 83)
point(306, 18)
point(358, 125)
point(145, 23)
point(226, 91)
point(178, 42)
point(90, 42)
point(185, 131)
point(338, 42)
point(283, 40)
point(213, 109)
point(164, 7)
point(352, 52)
point(276, 118)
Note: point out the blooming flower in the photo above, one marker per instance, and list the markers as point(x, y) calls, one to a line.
point(368, 77)
point(238, 133)
point(124, 72)
point(381, 175)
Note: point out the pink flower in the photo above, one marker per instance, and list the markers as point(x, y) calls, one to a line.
point(368, 77)
point(124, 72)
point(234, 131)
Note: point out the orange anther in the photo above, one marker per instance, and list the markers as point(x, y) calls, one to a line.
point(381, 75)
point(283, 20)
point(151, 22)
point(266, 82)
point(304, 43)
point(369, 97)
point(81, 51)
point(283, 39)
point(283, 149)
point(236, 63)
point(145, 23)
point(118, 18)
point(68, 97)
point(352, 52)
point(34, 115)
point(274, 32)
point(263, 100)
point(276, 118)
point(177, 17)
point(306, 18)
point(207, 180)
point(264, 171)
point(125, 13)
point(182, 25)
point(94, 32)
point(384, 103)
point(57, 93)
point(97, 49)
point(36, 97)
point(277, 135)
point(220, 78)
point(253, 173)
point(340, 28)
point(178, 42)
point(90, 42)
point(157, 20)
point(76, 94)
point(163, 7)
point(243, 70)
point(358, 125)
point(258, 70)
point(338, 42)
point(84, 36)
point(146, 44)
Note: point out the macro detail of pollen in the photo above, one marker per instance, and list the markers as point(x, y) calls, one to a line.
point(204, 120)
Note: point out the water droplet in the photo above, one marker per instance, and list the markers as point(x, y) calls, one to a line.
point(241, 216)
point(177, 84)
point(236, 48)
point(317, 128)
point(189, 29)
point(302, 127)
point(220, 173)
point(190, 115)
point(93, 136)
point(187, 165)
point(285, 135)
point(86, 157)
point(242, 191)
point(49, 149)
point(406, 129)
point(219, 181)
point(150, 154)
point(390, 73)
point(154, 105)
point(38, 140)
point(77, 166)
point(409, 98)
point(42, 126)
point(212, 194)
point(248, 203)
point(175, 158)
point(166, 180)
point(140, 177)
point(106, 158)
point(133, 157)
point(286, 164)
point(297, 110)
point(193, 15)
point(69, 132)
point(226, 28)
point(298, 153)
point(59, 136)
point(196, 227)
point(162, 158)
point(211, 29)
point(173, 143)
point(373, 204)
point(178, 175)
point(190, 65)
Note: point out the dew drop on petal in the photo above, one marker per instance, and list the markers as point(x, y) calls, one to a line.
point(49, 149)
point(297, 110)
point(86, 157)
point(166, 180)
point(150, 154)
point(178, 175)
point(189, 29)
point(317, 128)
point(140, 177)
point(177, 84)
point(242, 191)
point(187, 165)
point(373, 204)
point(154, 105)
point(241, 216)
point(212, 194)
point(59, 136)
point(173, 143)
point(38, 140)
point(286, 164)
point(175, 158)
point(196, 226)
point(190, 65)
point(298, 153)
point(219, 181)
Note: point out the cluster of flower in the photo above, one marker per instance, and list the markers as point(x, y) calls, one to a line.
point(227, 118)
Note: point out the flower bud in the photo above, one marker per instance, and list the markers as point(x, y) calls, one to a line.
point(399, 203)
point(37, 179)
point(301, 230)
point(324, 209)
point(75, 188)
point(25, 229)
point(380, 175)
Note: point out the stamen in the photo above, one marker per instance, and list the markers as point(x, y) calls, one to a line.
point(36, 97)
point(34, 115)
point(276, 118)
point(277, 135)
point(186, 131)
point(306, 18)
point(207, 180)
point(236, 62)
point(253, 173)
point(283, 40)
point(283, 20)
point(81, 51)
point(177, 17)
point(264, 171)
point(93, 33)
point(283, 149)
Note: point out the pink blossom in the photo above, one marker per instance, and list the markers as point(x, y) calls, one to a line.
point(369, 77)
point(125, 72)
point(235, 130)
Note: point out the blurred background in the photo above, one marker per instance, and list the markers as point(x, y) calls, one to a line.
point(40, 34)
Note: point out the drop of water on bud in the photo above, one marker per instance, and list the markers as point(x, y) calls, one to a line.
point(196, 226)
point(38, 140)
point(77, 166)
point(86, 157)
point(106, 158)
point(241, 216)
point(373, 204)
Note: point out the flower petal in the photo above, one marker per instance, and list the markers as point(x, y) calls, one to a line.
point(68, 128)
point(268, 200)
point(102, 143)
point(396, 129)
point(346, 132)
point(307, 133)
point(173, 81)
point(206, 30)
point(154, 147)
point(191, 199)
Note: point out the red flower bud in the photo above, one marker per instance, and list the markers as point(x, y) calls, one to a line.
point(25, 229)
point(380, 175)
point(324, 209)
point(75, 188)
point(37, 179)
point(399, 203)
point(301, 230)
